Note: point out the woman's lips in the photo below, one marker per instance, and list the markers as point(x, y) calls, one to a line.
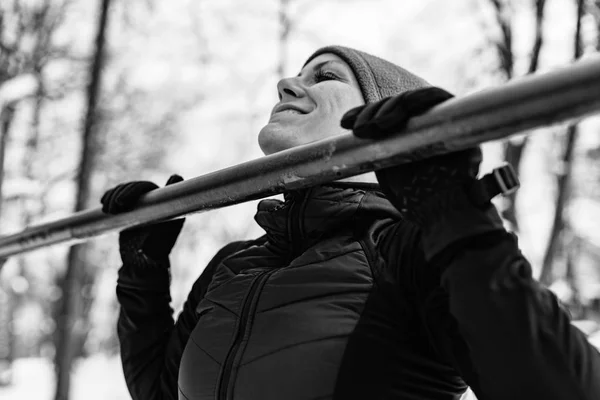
point(289, 107)
point(287, 113)
point(290, 111)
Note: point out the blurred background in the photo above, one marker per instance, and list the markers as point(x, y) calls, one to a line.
point(94, 93)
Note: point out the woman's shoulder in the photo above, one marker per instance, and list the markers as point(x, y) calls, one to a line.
point(201, 285)
point(234, 247)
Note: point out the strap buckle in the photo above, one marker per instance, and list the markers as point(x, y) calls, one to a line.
point(502, 180)
point(506, 178)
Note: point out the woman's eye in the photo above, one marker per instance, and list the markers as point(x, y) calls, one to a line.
point(321, 76)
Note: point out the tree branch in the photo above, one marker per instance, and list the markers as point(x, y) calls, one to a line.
point(17, 88)
point(537, 43)
point(504, 45)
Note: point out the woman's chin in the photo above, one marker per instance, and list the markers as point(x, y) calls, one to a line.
point(272, 139)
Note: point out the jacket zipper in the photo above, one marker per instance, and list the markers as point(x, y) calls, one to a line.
point(241, 332)
point(295, 230)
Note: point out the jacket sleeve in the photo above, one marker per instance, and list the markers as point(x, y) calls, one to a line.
point(151, 343)
point(505, 333)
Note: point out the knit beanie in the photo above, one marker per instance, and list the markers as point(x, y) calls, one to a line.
point(376, 77)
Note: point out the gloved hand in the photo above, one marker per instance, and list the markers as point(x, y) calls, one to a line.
point(419, 190)
point(153, 241)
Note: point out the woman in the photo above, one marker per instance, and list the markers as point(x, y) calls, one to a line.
point(410, 289)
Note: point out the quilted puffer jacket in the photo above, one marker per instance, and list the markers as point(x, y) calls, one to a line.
point(343, 300)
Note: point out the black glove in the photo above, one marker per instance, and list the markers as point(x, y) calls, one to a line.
point(154, 241)
point(419, 190)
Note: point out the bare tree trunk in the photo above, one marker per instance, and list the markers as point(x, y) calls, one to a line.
point(6, 117)
point(513, 150)
point(6, 296)
point(31, 148)
point(284, 33)
point(70, 305)
point(563, 178)
point(7, 347)
point(597, 16)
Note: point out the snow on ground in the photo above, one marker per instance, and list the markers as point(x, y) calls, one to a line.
point(95, 378)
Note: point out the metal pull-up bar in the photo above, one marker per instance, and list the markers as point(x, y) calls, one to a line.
point(522, 104)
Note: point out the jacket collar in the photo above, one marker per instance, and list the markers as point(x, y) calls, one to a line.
point(306, 216)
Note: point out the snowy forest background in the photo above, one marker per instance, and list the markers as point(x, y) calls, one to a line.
point(184, 86)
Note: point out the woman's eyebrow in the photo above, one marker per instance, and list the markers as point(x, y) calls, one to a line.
point(324, 63)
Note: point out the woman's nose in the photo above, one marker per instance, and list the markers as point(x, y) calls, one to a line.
point(290, 88)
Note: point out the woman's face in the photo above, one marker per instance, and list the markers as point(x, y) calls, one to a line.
point(311, 105)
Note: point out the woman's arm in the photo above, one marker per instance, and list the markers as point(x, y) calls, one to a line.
point(483, 313)
point(151, 343)
point(511, 339)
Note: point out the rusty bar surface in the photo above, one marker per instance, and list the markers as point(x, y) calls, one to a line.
point(522, 104)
